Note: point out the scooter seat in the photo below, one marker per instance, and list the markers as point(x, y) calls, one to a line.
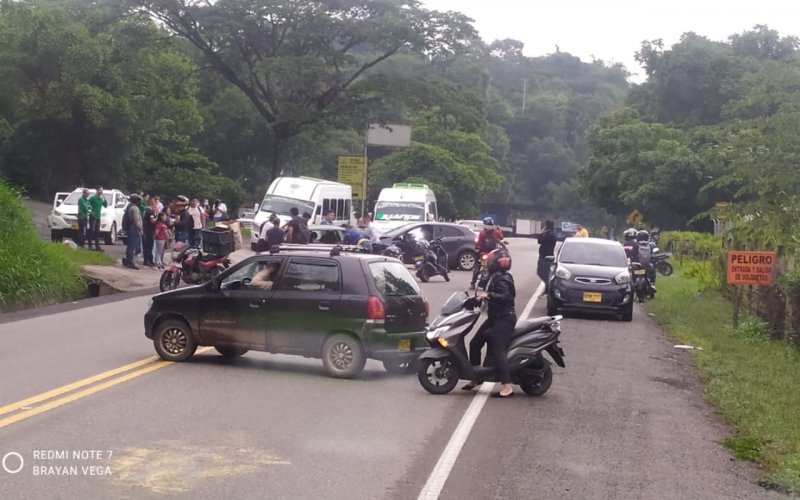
point(524, 326)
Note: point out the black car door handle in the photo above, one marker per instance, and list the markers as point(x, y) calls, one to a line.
point(256, 303)
point(324, 306)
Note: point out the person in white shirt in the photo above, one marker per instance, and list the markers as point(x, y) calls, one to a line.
point(220, 211)
point(372, 232)
point(197, 223)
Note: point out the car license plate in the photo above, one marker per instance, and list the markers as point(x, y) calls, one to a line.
point(592, 297)
point(74, 226)
point(640, 271)
point(404, 345)
point(419, 257)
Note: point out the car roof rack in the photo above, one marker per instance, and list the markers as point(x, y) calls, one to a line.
point(332, 250)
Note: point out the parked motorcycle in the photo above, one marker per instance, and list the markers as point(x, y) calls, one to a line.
point(446, 362)
point(660, 261)
point(642, 286)
point(191, 265)
point(431, 260)
point(483, 275)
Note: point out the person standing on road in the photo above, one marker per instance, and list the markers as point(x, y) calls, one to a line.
point(84, 211)
point(582, 232)
point(295, 228)
point(328, 220)
point(133, 227)
point(98, 202)
point(220, 211)
point(160, 236)
point(149, 226)
point(196, 222)
point(547, 248)
point(372, 232)
point(501, 295)
point(271, 234)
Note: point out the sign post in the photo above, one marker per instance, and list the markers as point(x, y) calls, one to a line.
point(635, 217)
point(351, 172)
point(749, 268)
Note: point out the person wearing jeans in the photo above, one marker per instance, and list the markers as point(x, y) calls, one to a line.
point(161, 236)
point(547, 247)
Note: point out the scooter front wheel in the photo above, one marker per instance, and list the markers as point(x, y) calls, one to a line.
point(423, 275)
point(438, 376)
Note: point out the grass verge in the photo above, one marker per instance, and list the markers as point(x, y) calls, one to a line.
point(751, 379)
point(33, 272)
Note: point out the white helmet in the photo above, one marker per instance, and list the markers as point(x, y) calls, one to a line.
point(630, 234)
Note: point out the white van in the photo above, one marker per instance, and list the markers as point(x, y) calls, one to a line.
point(404, 203)
point(307, 194)
point(63, 220)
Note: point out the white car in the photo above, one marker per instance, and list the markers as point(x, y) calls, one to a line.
point(63, 220)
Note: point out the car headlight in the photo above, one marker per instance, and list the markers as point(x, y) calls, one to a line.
point(623, 277)
point(563, 274)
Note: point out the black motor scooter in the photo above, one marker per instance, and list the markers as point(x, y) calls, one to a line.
point(446, 362)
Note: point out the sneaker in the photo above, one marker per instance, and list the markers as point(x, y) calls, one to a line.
point(125, 261)
point(133, 266)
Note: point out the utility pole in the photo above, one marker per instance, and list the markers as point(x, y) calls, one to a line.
point(524, 93)
point(366, 173)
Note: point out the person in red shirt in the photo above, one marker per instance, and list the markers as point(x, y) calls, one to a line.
point(488, 240)
point(161, 236)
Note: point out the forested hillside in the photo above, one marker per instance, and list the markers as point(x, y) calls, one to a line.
point(175, 96)
point(715, 123)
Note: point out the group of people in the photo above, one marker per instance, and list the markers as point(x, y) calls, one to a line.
point(151, 227)
point(90, 209)
point(296, 231)
point(639, 249)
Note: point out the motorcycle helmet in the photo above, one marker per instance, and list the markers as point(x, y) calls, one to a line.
point(498, 260)
point(393, 252)
point(630, 234)
point(642, 237)
point(488, 221)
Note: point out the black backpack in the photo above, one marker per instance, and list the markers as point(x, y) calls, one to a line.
point(126, 218)
point(304, 235)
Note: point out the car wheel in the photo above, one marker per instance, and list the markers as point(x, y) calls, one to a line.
point(343, 356)
point(398, 367)
point(627, 314)
point(55, 236)
point(540, 387)
point(110, 238)
point(467, 260)
point(231, 352)
point(551, 309)
point(174, 341)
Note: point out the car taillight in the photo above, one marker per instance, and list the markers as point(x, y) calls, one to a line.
point(375, 308)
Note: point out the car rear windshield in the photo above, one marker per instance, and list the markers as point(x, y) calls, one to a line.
point(393, 279)
point(576, 252)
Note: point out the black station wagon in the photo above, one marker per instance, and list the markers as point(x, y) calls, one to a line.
point(340, 307)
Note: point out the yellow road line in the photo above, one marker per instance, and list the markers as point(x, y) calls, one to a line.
point(75, 385)
point(81, 394)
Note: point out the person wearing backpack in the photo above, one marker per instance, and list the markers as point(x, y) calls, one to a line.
point(644, 255)
point(297, 229)
point(488, 240)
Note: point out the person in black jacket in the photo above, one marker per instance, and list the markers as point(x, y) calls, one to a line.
point(547, 248)
point(497, 329)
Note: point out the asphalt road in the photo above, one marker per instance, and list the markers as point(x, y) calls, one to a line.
point(624, 420)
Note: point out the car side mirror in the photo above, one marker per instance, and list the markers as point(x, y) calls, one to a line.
point(551, 259)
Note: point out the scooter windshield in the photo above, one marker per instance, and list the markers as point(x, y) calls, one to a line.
point(454, 304)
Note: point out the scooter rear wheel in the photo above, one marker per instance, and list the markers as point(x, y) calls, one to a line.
point(665, 268)
point(442, 369)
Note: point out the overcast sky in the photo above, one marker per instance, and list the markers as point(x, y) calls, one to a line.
point(613, 30)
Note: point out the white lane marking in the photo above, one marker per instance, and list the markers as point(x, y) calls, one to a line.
point(529, 307)
point(437, 479)
point(441, 472)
